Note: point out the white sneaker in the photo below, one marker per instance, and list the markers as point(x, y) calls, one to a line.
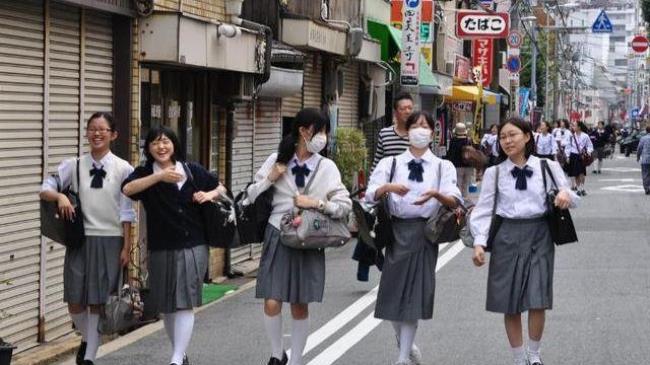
point(521, 362)
point(415, 355)
point(534, 358)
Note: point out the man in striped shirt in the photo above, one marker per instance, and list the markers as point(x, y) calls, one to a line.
point(392, 141)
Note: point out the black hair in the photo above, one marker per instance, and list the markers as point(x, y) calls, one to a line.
point(583, 127)
point(548, 126)
point(563, 123)
point(107, 116)
point(401, 96)
point(415, 116)
point(522, 125)
point(158, 132)
point(647, 128)
point(306, 118)
point(493, 126)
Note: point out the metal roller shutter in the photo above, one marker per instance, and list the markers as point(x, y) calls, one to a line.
point(312, 92)
point(21, 133)
point(349, 101)
point(291, 105)
point(268, 128)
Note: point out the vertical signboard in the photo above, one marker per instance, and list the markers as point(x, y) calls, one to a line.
point(482, 56)
point(409, 70)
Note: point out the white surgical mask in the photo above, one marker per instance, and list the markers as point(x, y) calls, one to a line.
point(419, 137)
point(317, 143)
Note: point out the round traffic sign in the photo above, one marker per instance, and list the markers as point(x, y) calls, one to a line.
point(515, 38)
point(640, 44)
point(513, 63)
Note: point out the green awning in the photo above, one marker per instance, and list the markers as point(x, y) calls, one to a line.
point(391, 44)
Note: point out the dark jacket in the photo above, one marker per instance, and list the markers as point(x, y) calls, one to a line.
point(174, 221)
point(455, 151)
point(598, 139)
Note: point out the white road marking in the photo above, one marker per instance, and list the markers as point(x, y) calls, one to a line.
point(624, 188)
point(622, 169)
point(361, 330)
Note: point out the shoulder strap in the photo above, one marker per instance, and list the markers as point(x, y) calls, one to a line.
point(313, 177)
point(496, 192)
point(190, 176)
point(439, 174)
point(77, 174)
point(546, 169)
point(392, 170)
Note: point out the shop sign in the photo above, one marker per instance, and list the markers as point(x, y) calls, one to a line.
point(462, 106)
point(410, 55)
point(472, 24)
point(462, 68)
point(482, 56)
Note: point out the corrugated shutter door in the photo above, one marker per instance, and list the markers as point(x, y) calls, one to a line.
point(291, 105)
point(349, 101)
point(268, 128)
point(98, 95)
point(63, 142)
point(313, 82)
point(21, 128)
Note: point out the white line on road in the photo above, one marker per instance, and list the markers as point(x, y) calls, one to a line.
point(618, 180)
point(361, 330)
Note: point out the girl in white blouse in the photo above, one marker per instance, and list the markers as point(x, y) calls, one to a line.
point(545, 146)
point(577, 143)
point(520, 276)
point(421, 184)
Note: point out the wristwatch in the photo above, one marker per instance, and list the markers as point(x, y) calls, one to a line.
point(321, 205)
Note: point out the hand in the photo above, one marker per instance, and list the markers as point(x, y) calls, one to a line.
point(304, 202)
point(276, 171)
point(125, 257)
point(479, 256)
point(169, 175)
point(202, 197)
point(66, 210)
point(398, 189)
point(426, 196)
point(563, 200)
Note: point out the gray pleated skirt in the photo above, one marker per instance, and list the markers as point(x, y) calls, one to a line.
point(91, 272)
point(176, 278)
point(408, 283)
point(521, 267)
point(287, 274)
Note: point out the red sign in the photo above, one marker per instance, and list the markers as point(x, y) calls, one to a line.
point(479, 24)
point(482, 56)
point(396, 12)
point(462, 68)
point(639, 44)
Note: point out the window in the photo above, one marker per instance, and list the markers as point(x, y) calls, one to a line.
point(620, 62)
point(612, 47)
point(616, 39)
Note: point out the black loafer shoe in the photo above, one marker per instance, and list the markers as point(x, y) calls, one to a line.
point(186, 361)
point(88, 362)
point(285, 359)
point(81, 353)
point(276, 361)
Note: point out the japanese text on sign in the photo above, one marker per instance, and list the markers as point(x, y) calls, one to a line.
point(410, 43)
point(482, 57)
point(481, 24)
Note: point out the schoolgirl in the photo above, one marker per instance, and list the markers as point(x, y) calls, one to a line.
point(422, 183)
point(288, 275)
point(578, 141)
point(489, 145)
point(520, 277)
point(562, 133)
point(91, 272)
point(171, 192)
point(600, 137)
point(545, 145)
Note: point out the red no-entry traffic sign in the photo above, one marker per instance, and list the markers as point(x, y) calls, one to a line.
point(640, 44)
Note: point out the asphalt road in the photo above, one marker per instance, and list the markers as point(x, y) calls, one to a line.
point(601, 311)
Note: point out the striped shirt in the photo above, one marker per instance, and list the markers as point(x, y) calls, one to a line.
point(389, 144)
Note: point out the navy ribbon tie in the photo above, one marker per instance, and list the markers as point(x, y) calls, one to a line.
point(521, 175)
point(300, 172)
point(98, 175)
point(416, 171)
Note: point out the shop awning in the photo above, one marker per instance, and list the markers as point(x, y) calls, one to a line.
point(470, 93)
point(391, 44)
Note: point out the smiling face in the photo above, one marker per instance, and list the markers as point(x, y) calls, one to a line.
point(162, 149)
point(100, 134)
point(513, 140)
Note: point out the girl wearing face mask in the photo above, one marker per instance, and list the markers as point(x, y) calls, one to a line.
point(421, 184)
point(288, 275)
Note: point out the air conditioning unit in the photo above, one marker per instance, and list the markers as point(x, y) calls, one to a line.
point(355, 41)
point(449, 68)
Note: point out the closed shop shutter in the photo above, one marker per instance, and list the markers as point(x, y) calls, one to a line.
point(21, 132)
point(349, 100)
point(291, 105)
point(268, 128)
point(313, 81)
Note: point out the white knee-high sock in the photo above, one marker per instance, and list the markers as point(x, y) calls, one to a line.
point(299, 334)
point(183, 326)
point(92, 336)
point(168, 320)
point(406, 339)
point(80, 323)
point(273, 325)
point(533, 350)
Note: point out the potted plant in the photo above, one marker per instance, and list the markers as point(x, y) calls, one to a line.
point(6, 349)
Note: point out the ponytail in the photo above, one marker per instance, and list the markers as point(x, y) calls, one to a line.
point(286, 149)
point(307, 118)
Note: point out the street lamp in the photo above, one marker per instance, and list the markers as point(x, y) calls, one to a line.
point(533, 74)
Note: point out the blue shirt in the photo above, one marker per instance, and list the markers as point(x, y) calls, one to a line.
point(643, 151)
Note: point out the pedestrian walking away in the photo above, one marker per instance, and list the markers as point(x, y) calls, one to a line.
point(643, 157)
point(289, 275)
point(520, 277)
point(464, 170)
point(545, 145)
point(489, 145)
point(171, 192)
point(422, 183)
point(392, 141)
point(599, 139)
point(91, 272)
point(578, 144)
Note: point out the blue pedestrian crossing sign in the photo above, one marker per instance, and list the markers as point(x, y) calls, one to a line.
point(602, 24)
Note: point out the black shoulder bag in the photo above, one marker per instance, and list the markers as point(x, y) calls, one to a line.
point(445, 226)
point(218, 217)
point(559, 220)
point(384, 235)
point(253, 216)
point(70, 233)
